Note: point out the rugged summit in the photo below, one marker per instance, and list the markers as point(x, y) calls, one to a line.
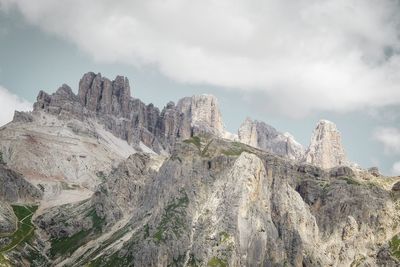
point(128, 118)
point(203, 113)
point(101, 95)
point(326, 149)
point(261, 135)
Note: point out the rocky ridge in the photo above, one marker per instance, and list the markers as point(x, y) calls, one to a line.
point(128, 118)
point(261, 135)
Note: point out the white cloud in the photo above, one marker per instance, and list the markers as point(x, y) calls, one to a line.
point(9, 103)
point(329, 55)
point(390, 139)
point(396, 168)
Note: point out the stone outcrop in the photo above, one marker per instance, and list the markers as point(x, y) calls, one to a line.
point(326, 149)
point(261, 135)
point(99, 94)
point(7, 219)
point(118, 195)
point(14, 188)
point(201, 112)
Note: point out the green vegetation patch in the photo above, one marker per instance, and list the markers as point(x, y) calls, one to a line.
point(350, 180)
point(394, 246)
point(205, 149)
point(223, 236)
point(4, 262)
point(66, 186)
point(25, 230)
point(1, 158)
point(173, 218)
point(67, 245)
point(102, 176)
point(117, 235)
point(236, 149)
point(217, 262)
point(195, 140)
point(177, 262)
point(146, 231)
point(36, 258)
point(193, 261)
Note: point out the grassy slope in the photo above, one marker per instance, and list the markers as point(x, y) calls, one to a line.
point(24, 232)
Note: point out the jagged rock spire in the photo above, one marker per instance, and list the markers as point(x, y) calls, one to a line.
point(100, 94)
point(110, 102)
point(202, 114)
point(326, 149)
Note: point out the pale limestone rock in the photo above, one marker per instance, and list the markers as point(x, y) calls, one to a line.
point(263, 136)
point(202, 114)
point(7, 219)
point(326, 149)
point(350, 229)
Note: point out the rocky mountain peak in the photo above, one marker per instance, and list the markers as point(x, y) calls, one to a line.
point(110, 103)
point(326, 149)
point(99, 94)
point(261, 135)
point(203, 113)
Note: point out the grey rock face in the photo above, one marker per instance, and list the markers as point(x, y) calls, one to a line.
point(7, 218)
point(261, 135)
point(99, 94)
point(23, 117)
point(326, 149)
point(396, 187)
point(201, 115)
point(118, 195)
point(14, 188)
point(374, 171)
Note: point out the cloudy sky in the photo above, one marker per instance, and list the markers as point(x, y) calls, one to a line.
point(288, 63)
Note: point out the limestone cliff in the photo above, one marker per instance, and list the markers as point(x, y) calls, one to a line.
point(202, 114)
point(326, 149)
point(261, 135)
point(14, 187)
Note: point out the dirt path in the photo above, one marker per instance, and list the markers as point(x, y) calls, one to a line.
point(19, 224)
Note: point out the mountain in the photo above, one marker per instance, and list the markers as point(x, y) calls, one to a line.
point(100, 178)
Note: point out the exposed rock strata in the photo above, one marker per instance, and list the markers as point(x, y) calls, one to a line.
point(7, 219)
point(326, 149)
point(130, 119)
point(261, 135)
point(14, 188)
